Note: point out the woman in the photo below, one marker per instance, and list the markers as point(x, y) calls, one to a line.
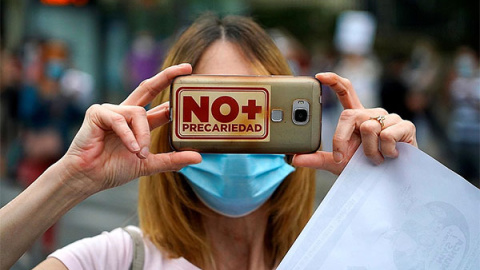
point(180, 227)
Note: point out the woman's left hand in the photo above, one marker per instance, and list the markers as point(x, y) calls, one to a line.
point(358, 125)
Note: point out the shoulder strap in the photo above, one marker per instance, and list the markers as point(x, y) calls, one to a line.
point(138, 249)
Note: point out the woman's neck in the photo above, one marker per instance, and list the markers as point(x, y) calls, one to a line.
point(238, 243)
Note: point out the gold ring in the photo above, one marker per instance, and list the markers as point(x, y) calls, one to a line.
point(379, 119)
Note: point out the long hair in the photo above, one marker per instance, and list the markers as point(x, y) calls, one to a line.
point(170, 214)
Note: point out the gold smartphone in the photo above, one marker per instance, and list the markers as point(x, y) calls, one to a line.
point(245, 114)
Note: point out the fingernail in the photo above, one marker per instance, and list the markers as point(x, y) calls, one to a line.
point(144, 153)
point(322, 74)
point(394, 154)
point(337, 157)
point(378, 161)
point(135, 146)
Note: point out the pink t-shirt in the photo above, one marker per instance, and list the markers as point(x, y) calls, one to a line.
point(114, 250)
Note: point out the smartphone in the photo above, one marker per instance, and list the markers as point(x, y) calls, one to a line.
point(245, 114)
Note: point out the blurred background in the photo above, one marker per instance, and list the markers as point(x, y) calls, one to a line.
point(416, 58)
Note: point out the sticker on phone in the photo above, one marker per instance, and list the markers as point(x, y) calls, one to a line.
point(222, 113)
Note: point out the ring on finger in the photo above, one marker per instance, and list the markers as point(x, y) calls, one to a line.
point(380, 119)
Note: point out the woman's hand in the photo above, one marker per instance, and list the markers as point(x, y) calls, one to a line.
point(110, 149)
point(112, 146)
point(358, 125)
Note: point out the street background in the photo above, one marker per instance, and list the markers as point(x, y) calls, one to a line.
point(416, 58)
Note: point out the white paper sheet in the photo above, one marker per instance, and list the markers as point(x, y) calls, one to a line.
point(408, 213)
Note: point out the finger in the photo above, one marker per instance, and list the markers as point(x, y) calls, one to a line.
point(159, 115)
point(348, 124)
point(402, 131)
point(343, 88)
point(149, 89)
point(370, 132)
point(320, 160)
point(141, 130)
point(161, 107)
point(136, 118)
point(172, 161)
point(109, 120)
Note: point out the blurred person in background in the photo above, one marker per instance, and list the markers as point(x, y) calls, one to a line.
point(422, 77)
point(184, 223)
point(393, 89)
point(464, 124)
point(143, 59)
point(354, 39)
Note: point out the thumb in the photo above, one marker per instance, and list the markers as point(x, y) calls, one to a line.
point(173, 161)
point(320, 160)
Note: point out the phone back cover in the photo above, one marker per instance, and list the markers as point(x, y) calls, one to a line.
point(233, 114)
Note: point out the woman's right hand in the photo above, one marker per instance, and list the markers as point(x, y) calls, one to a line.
point(112, 145)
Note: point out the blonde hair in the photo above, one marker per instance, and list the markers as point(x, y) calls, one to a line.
point(170, 214)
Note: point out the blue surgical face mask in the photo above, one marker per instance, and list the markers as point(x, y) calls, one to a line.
point(465, 65)
point(235, 185)
point(55, 69)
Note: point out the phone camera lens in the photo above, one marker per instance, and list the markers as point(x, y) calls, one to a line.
point(301, 115)
point(300, 112)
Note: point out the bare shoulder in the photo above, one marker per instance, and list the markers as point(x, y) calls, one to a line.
point(51, 264)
